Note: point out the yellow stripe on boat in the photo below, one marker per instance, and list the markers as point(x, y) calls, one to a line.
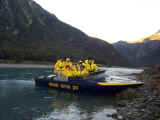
point(119, 84)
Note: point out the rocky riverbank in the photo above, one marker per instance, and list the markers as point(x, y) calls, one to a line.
point(142, 103)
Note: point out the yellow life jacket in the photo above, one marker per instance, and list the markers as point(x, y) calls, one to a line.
point(57, 66)
point(94, 67)
point(87, 65)
point(78, 67)
point(76, 72)
point(84, 72)
point(67, 73)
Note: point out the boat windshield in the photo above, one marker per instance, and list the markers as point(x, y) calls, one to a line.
point(118, 79)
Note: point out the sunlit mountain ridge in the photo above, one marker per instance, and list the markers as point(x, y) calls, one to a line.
point(155, 36)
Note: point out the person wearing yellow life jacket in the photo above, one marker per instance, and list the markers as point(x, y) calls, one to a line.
point(76, 70)
point(94, 67)
point(73, 68)
point(83, 71)
point(59, 65)
point(67, 72)
point(79, 64)
point(68, 63)
point(87, 65)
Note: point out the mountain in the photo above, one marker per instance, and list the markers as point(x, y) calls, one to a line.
point(28, 32)
point(143, 53)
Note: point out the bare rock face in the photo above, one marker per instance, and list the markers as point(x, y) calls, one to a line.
point(28, 32)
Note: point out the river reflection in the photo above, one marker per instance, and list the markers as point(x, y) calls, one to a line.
point(68, 106)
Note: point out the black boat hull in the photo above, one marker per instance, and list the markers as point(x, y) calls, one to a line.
point(83, 85)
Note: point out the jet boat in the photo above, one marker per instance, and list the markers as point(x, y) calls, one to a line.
point(98, 81)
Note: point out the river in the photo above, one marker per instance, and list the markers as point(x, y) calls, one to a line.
point(20, 99)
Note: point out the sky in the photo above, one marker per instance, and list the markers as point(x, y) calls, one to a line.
point(110, 20)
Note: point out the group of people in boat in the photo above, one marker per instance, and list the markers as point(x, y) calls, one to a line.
point(67, 68)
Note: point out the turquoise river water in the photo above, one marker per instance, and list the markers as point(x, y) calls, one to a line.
point(20, 99)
